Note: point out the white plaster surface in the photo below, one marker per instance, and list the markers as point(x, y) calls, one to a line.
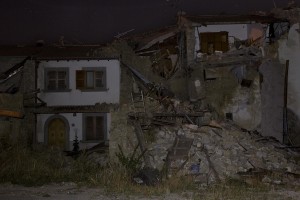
point(272, 99)
point(289, 49)
point(75, 124)
point(237, 30)
point(78, 97)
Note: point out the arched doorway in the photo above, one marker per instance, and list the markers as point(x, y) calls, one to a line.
point(57, 132)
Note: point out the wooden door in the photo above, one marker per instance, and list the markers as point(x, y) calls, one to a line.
point(57, 133)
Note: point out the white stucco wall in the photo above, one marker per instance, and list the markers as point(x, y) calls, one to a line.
point(272, 89)
point(74, 123)
point(237, 30)
point(289, 49)
point(78, 97)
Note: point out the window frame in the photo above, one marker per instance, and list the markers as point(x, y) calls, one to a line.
point(84, 126)
point(83, 79)
point(209, 42)
point(56, 69)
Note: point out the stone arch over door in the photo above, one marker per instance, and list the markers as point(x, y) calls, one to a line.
point(57, 131)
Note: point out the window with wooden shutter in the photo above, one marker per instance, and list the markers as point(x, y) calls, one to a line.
point(91, 79)
point(214, 41)
point(80, 79)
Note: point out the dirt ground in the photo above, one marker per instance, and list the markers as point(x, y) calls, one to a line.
point(65, 191)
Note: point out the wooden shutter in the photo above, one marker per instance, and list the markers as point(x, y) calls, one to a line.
point(224, 41)
point(203, 42)
point(214, 41)
point(80, 79)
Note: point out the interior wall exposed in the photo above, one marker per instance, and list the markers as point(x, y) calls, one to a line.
point(272, 92)
point(289, 49)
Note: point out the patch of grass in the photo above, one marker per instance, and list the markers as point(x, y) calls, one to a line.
point(27, 167)
point(117, 179)
point(235, 189)
point(30, 168)
point(180, 183)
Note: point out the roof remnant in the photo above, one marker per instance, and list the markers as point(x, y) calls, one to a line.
point(159, 39)
point(248, 55)
point(230, 19)
point(4, 76)
point(73, 52)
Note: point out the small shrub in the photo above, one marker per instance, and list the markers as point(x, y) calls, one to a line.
point(132, 162)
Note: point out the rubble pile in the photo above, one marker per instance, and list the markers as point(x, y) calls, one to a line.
point(223, 151)
point(240, 53)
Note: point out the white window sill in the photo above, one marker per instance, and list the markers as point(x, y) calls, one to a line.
point(93, 141)
point(64, 90)
point(94, 90)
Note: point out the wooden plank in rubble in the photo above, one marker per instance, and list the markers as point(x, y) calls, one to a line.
point(181, 148)
point(140, 136)
point(10, 113)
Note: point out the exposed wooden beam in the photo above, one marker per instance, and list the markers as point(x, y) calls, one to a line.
point(10, 113)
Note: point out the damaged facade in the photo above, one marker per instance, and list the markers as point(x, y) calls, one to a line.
point(166, 90)
point(219, 67)
point(218, 62)
point(225, 54)
point(70, 95)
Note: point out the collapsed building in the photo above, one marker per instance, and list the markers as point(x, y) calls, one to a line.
point(212, 91)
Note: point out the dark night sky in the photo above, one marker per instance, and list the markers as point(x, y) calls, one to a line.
point(97, 21)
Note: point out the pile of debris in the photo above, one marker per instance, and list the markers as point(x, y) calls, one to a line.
point(234, 55)
point(219, 151)
point(186, 141)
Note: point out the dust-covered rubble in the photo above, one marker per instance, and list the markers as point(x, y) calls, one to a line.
point(224, 151)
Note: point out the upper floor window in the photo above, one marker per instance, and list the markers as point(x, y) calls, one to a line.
point(214, 41)
point(91, 79)
point(56, 79)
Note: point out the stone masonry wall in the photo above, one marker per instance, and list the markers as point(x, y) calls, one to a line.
point(190, 44)
point(121, 132)
point(28, 85)
point(21, 130)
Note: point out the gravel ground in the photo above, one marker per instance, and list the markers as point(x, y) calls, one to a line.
point(66, 191)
